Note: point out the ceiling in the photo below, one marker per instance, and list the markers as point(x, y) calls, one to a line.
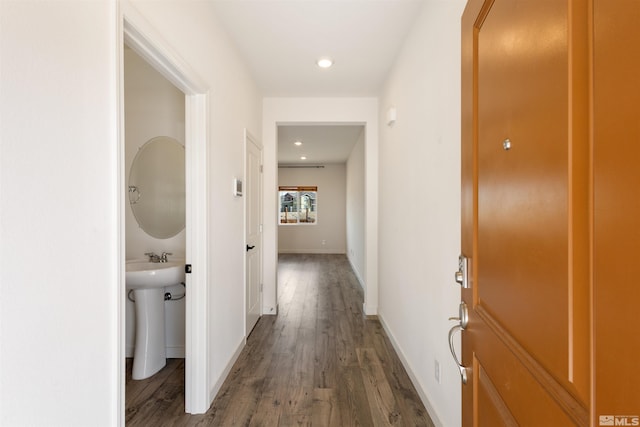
point(320, 144)
point(281, 40)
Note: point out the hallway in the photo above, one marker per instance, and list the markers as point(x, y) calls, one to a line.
point(319, 362)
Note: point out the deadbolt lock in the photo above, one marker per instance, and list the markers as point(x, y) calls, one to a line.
point(462, 275)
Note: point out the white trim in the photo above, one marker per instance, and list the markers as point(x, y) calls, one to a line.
point(357, 274)
point(225, 373)
point(197, 346)
point(138, 34)
point(244, 236)
point(147, 42)
point(175, 352)
point(412, 376)
point(328, 111)
point(371, 171)
point(311, 251)
point(250, 139)
point(120, 206)
point(248, 135)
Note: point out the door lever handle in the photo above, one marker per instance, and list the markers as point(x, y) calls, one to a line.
point(250, 247)
point(461, 368)
point(463, 319)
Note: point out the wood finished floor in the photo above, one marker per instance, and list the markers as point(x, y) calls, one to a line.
point(319, 362)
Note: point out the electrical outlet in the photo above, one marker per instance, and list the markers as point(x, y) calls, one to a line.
point(437, 371)
point(324, 242)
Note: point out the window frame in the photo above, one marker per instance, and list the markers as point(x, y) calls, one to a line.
point(298, 189)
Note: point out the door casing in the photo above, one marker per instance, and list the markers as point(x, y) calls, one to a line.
point(149, 44)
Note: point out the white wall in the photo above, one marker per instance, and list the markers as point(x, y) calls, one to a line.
point(61, 200)
point(420, 171)
point(330, 227)
point(355, 208)
point(362, 111)
point(59, 208)
point(153, 107)
point(194, 33)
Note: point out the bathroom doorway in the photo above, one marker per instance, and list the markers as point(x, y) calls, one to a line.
point(149, 46)
point(154, 125)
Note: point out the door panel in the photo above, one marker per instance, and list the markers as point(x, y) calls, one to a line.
point(522, 190)
point(492, 410)
point(253, 218)
point(527, 391)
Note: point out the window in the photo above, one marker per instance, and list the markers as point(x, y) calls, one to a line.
point(298, 205)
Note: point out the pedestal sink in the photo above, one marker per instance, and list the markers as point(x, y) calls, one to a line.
point(147, 280)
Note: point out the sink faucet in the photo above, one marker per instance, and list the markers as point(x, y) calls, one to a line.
point(154, 257)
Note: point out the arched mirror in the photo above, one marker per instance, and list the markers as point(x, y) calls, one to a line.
point(157, 187)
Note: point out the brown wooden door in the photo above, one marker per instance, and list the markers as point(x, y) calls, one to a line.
point(550, 202)
point(616, 211)
point(525, 222)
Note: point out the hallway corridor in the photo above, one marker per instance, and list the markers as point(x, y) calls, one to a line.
point(320, 362)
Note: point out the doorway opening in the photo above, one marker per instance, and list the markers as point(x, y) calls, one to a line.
point(280, 112)
point(321, 190)
point(154, 111)
point(146, 43)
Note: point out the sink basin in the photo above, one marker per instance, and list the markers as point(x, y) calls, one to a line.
point(146, 281)
point(149, 275)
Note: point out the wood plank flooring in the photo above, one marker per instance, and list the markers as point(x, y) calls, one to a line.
point(319, 362)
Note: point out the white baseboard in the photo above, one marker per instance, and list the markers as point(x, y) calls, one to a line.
point(357, 273)
point(171, 352)
point(175, 352)
point(225, 373)
point(312, 251)
point(407, 366)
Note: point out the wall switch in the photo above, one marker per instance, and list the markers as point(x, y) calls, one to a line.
point(437, 371)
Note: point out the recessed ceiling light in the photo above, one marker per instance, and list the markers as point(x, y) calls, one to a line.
point(298, 143)
point(303, 158)
point(324, 62)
